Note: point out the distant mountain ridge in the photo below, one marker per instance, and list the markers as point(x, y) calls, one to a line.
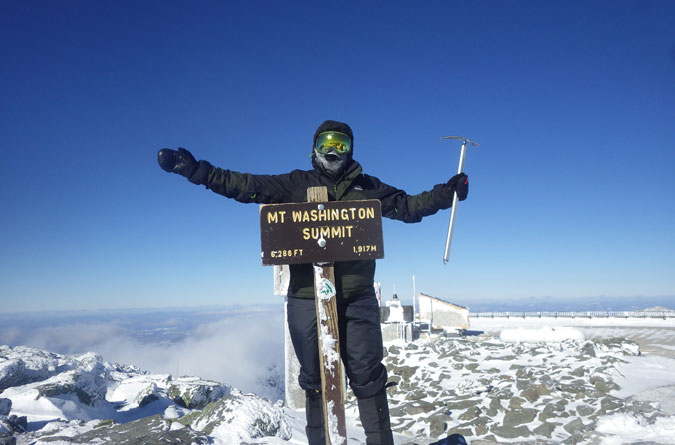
point(544, 304)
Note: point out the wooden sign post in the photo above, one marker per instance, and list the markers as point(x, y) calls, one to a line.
point(329, 343)
point(321, 232)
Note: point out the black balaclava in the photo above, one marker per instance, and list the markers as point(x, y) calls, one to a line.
point(332, 164)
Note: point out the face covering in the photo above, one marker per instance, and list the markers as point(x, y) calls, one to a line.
point(332, 164)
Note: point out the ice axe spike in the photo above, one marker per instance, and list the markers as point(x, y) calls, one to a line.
point(453, 210)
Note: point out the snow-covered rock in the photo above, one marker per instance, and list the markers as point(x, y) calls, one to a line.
point(238, 417)
point(195, 393)
point(87, 380)
point(72, 394)
point(637, 429)
point(22, 365)
point(144, 431)
point(617, 347)
point(49, 386)
point(490, 389)
point(174, 412)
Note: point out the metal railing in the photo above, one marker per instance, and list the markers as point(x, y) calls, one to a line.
point(568, 314)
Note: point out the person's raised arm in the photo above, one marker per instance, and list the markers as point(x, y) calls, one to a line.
point(243, 187)
point(397, 204)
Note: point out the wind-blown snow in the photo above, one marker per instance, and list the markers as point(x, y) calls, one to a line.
point(625, 428)
point(545, 334)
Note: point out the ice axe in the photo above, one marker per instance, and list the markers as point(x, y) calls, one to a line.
point(453, 210)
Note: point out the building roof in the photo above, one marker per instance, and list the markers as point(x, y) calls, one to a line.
point(442, 301)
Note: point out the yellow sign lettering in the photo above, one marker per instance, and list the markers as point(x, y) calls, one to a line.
point(275, 217)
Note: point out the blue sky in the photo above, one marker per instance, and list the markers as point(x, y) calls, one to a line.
point(573, 104)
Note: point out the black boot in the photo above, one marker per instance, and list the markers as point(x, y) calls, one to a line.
point(316, 433)
point(374, 414)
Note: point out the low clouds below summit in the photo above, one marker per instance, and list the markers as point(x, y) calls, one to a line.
point(243, 348)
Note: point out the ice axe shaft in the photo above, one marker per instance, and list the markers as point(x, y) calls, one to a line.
point(453, 210)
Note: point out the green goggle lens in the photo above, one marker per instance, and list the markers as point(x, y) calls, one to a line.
point(333, 140)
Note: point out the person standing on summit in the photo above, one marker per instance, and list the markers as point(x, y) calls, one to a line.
point(361, 346)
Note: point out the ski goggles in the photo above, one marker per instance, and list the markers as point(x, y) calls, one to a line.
point(333, 140)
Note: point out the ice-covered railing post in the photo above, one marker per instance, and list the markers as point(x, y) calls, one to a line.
point(321, 232)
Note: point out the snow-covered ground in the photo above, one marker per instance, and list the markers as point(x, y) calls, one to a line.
point(587, 381)
point(648, 377)
point(654, 335)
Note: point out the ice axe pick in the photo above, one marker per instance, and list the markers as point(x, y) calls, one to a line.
point(453, 210)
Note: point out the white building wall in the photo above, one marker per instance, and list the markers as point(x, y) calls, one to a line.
point(442, 314)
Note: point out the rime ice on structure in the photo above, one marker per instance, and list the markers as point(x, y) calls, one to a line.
point(328, 347)
point(335, 436)
point(326, 291)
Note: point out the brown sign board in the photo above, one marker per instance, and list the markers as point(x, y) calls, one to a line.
point(317, 232)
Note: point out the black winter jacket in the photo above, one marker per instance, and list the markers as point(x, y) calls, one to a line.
point(353, 278)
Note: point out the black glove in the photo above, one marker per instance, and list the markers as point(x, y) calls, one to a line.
point(460, 184)
point(181, 161)
point(443, 194)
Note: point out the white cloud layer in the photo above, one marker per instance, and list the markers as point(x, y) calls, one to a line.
point(239, 350)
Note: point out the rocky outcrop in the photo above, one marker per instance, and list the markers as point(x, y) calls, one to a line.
point(488, 390)
point(10, 424)
point(240, 417)
point(148, 430)
point(497, 391)
point(195, 393)
point(22, 365)
point(139, 408)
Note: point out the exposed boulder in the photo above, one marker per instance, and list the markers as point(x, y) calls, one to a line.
point(148, 395)
point(5, 407)
point(195, 393)
point(18, 424)
point(88, 381)
point(148, 430)
point(519, 416)
point(240, 417)
point(611, 346)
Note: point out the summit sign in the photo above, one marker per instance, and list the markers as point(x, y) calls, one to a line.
point(317, 232)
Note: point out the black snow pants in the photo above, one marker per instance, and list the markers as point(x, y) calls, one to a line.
point(361, 352)
point(360, 343)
